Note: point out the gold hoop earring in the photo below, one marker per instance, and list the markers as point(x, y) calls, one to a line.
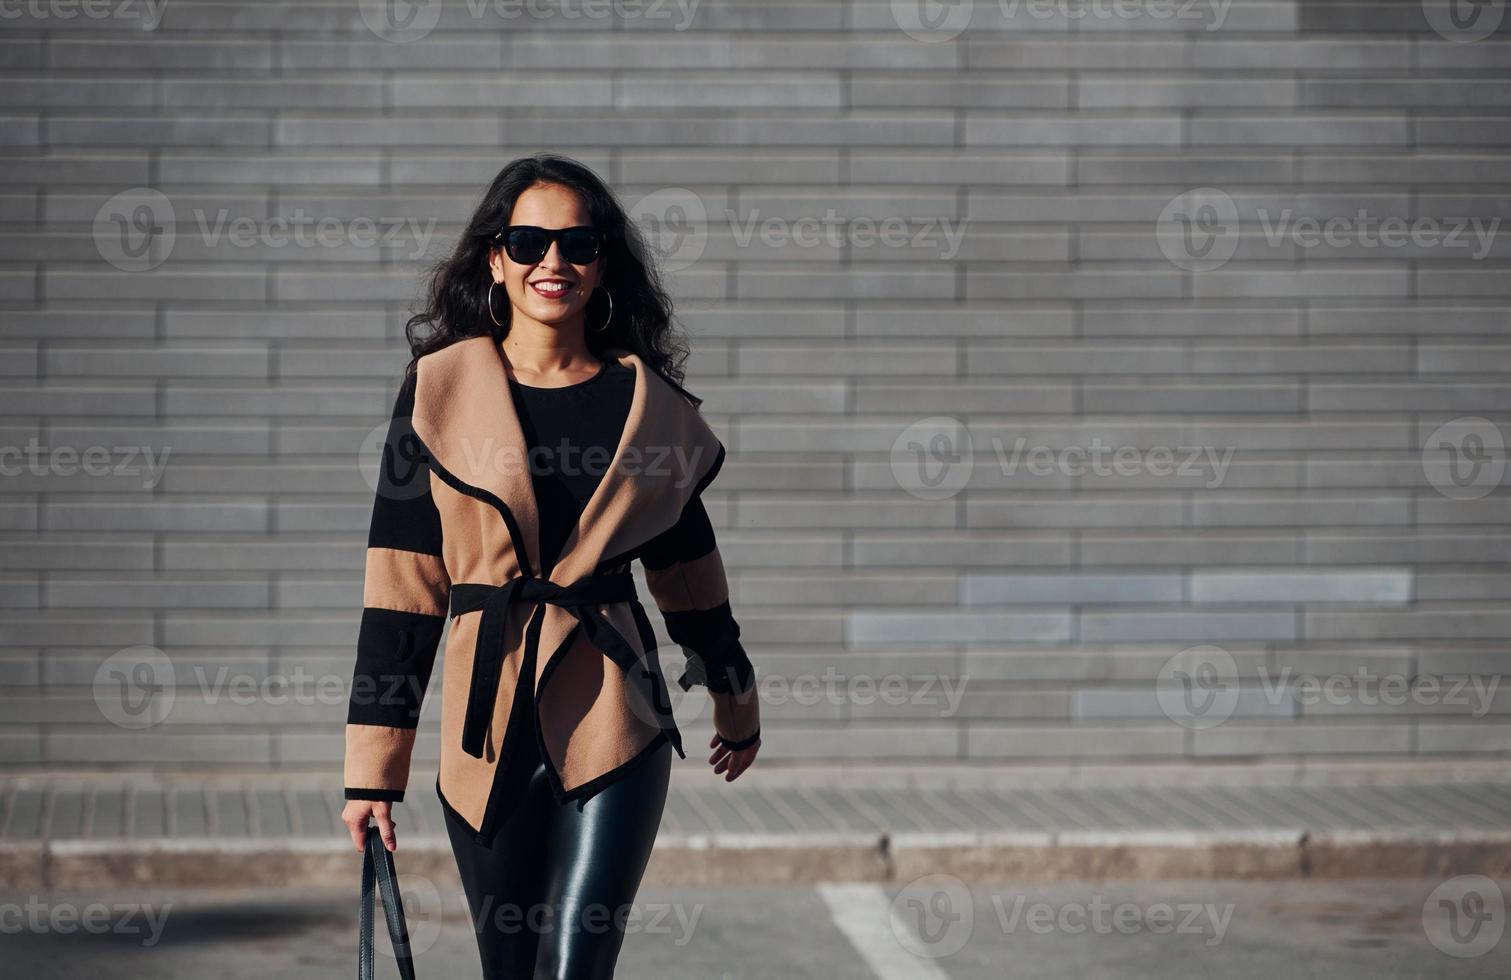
point(611, 309)
point(490, 304)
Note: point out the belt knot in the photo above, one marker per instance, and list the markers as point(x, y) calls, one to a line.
point(494, 601)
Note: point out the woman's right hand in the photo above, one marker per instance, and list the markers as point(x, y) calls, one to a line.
point(356, 816)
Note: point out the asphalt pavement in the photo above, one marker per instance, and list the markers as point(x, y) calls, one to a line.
point(930, 928)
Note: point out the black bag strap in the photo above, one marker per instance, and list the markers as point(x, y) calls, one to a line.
point(378, 868)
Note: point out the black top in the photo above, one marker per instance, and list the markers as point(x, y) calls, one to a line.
point(572, 433)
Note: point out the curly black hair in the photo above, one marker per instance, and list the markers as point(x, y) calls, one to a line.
point(456, 297)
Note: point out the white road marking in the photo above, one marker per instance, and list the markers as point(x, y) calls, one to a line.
point(864, 914)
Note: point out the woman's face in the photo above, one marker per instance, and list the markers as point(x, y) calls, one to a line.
point(547, 206)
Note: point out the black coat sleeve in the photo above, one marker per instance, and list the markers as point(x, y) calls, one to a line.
point(406, 591)
point(686, 576)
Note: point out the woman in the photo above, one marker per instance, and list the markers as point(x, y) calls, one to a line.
point(540, 442)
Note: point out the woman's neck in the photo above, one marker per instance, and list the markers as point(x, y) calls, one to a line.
point(554, 359)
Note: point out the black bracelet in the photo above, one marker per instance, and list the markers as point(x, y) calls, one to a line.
point(743, 743)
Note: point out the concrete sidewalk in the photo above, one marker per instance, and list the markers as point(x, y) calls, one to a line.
point(96, 831)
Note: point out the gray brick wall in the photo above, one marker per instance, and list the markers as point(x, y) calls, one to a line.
point(1245, 258)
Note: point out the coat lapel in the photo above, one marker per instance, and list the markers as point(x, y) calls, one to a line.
point(465, 415)
point(666, 453)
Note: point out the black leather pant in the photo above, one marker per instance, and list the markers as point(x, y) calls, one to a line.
point(550, 898)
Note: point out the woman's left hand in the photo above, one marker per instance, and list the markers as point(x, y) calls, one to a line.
point(735, 761)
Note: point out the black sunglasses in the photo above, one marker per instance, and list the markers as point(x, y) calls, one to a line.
point(527, 244)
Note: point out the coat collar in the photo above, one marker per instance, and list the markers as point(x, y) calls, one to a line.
point(465, 416)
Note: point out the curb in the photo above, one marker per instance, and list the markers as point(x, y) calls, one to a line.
point(786, 859)
point(1351, 854)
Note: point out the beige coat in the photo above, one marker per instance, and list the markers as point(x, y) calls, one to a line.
point(455, 538)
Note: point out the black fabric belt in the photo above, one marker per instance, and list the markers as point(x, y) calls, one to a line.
point(495, 600)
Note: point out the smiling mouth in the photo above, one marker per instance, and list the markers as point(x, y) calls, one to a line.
point(552, 288)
